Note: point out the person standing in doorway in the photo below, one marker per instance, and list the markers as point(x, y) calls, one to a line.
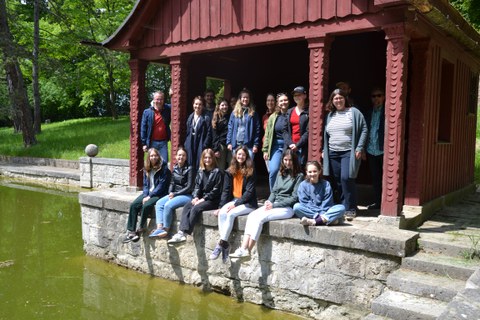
point(270, 103)
point(199, 133)
point(244, 125)
point(375, 118)
point(345, 87)
point(209, 98)
point(155, 125)
point(219, 134)
point(296, 130)
point(274, 144)
point(345, 137)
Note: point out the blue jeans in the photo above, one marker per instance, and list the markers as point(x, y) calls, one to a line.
point(162, 147)
point(333, 213)
point(340, 164)
point(275, 161)
point(165, 207)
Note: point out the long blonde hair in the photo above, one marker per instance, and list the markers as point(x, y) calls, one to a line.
point(238, 112)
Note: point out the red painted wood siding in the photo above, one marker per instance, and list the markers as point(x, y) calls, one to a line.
point(447, 166)
point(183, 20)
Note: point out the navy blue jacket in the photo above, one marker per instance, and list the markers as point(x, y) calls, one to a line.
point(161, 181)
point(252, 130)
point(147, 123)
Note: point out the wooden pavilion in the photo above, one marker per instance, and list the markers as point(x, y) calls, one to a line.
point(424, 53)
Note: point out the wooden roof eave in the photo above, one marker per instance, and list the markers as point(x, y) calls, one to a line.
point(450, 21)
point(127, 34)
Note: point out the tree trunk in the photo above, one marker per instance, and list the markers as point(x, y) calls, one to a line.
point(16, 88)
point(111, 96)
point(37, 123)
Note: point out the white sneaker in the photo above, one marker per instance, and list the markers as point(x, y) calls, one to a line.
point(177, 237)
point(240, 253)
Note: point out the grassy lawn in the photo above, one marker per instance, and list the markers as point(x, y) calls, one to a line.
point(68, 139)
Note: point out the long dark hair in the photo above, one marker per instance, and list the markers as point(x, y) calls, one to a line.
point(296, 169)
point(330, 105)
point(218, 114)
point(246, 168)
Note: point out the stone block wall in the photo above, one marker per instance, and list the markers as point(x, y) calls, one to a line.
point(103, 172)
point(319, 272)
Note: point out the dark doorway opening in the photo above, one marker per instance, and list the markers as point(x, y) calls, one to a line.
point(272, 68)
point(359, 59)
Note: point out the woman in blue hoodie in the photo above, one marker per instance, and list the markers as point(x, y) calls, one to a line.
point(315, 196)
point(244, 125)
point(156, 179)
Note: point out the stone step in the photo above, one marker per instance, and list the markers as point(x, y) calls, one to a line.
point(451, 244)
point(424, 284)
point(404, 306)
point(373, 316)
point(437, 264)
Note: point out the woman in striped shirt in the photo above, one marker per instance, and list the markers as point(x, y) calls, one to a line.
point(345, 135)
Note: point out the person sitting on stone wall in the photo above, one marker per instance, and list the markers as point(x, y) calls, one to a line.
point(156, 178)
point(179, 194)
point(206, 195)
point(238, 198)
point(278, 206)
point(315, 196)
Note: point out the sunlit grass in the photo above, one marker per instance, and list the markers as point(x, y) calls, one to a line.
point(68, 139)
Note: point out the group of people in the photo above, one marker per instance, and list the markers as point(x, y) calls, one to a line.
point(214, 170)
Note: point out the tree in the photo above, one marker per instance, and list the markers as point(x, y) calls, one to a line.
point(15, 83)
point(37, 123)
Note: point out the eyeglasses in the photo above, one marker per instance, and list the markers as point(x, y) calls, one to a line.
point(377, 95)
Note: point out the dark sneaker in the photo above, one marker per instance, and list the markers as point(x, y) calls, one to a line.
point(216, 252)
point(131, 236)
point(350, 215)
point(225, 253)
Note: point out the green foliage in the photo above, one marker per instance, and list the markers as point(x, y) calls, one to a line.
point(470, 9)
point(75, 80)
point(217, 85)
point(68, 139)
point(158, 78)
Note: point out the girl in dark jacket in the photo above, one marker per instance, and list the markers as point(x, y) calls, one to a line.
point(206, 195)
point(156, 178)
point(179, 193)
point(219, 134)
point(199, 135)
point(238, 198)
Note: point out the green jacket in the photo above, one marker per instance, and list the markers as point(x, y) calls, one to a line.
point(284, 192)
point(269, 132)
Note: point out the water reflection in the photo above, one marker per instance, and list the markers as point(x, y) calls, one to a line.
point(44, 273)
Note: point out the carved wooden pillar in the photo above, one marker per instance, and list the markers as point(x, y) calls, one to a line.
point(179, 103)
point(418, 89)
point(137, 104)
point(395, 110)
point(319, 63)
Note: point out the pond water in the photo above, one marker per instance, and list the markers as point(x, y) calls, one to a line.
point(44, 273)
